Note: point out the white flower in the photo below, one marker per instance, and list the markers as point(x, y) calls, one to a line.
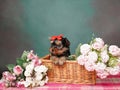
point(28, 82)
point(30, 67)
point(104, 56)
point(114, 71)
point(33, 84)
point(29, 79)
point(97, 56)
point(35, 74)
point(99, 40)
point(41, 68)
point(42, 83)
point(98, 44)
point(29, 70)
point(85, 48)
point(82, 59)
point(92, 56)
point(89, 66)
point(114, 50)
point(99, 67)
point(46, 80)
point(39, 76)
point(27, 73)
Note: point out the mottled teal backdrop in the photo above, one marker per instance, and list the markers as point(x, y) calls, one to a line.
point(44, 18)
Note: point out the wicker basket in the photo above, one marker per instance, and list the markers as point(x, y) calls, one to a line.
point(70, 72)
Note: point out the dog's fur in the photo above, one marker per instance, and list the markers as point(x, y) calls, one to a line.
point(59, 50)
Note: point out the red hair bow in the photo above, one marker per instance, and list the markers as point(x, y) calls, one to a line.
point(58, 37)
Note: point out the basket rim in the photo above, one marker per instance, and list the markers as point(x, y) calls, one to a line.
point(46, 58)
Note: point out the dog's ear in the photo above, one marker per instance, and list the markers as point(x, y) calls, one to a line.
point(66, 42)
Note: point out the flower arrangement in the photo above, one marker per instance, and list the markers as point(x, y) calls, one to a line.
point(28, 72)
point(98, 56)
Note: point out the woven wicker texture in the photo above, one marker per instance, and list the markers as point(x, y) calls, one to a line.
point(70, 72)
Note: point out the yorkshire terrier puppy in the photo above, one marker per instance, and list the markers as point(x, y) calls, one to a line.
point(59, 50)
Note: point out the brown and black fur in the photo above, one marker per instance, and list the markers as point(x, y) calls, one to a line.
point(59, 50)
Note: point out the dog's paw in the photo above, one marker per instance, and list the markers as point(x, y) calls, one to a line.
point(56, 62)
point(54, 59)
point(62, 60)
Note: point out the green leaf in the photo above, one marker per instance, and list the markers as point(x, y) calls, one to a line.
point(24, 55)
point(10, 67)
point(20, 61)
point(22, 75)
point(77, 51)
point(112, 62)
point(71, 57)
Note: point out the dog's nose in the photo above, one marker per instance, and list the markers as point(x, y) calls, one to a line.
point(52, 50)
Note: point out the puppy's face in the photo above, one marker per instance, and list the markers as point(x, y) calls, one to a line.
point(57, 44)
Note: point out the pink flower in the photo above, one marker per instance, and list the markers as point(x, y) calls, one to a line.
point(8, 76)
point(17, 70)
point(114, 50)
point(82, 59)
point(5, 74)
point(98, 44)
point(36, 57)
point(20, 84)
point(2, 84)
point(90, 66)
point(85, 48)
point(36, 62)
point(102, 74)
point(11, 77)
point(30, 55)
